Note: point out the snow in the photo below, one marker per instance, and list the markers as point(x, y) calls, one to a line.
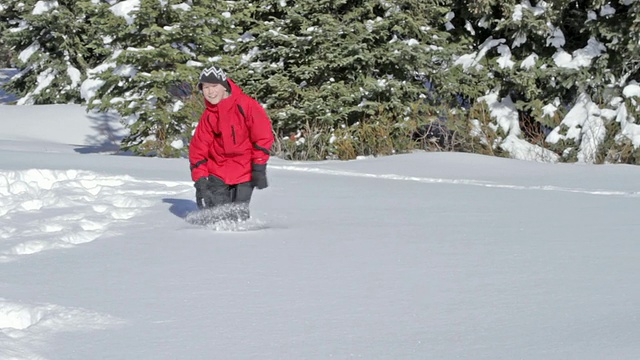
point(504, 61)
point(632, 90)
point(43, 80)
point(29, 51)
point(194, 63)
point(483, 23)
point(92, 84)
point(593, 134)
point(535, 10)
point(517, 13)
point(507, 120)
point(581, 57)
point(449, 16)
point(127, 71)
point(424, 255)
point(411, 42)
point(22, 25)
point(630, 130)
point(247, 56)
point(473, 60)
point(529, 61)
point(504, 111)
point(556, 37)
point(89, 88)
point(519, 38)
point(48, 125)
point(549, 110)
point(523, 150)
point(177, 106)
point(584, 125)
point(183, 7)
point(42, 7)
point(574, 121)
point(607, 10)
point(104, 267)
point(125, 8)
point(107, 40)
point(75, 75)
point(469, 27)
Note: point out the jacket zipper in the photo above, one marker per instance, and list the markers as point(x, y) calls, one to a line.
point(233, 134)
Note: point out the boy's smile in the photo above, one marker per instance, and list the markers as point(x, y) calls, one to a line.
point(214, 93)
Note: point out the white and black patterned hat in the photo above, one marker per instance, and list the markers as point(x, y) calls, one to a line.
point(213, 75)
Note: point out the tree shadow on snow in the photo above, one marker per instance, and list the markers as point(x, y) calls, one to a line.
point(107, 134)
point(181, 207)
point(6, 75)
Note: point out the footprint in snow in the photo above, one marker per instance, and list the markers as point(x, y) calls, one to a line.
point(25, 327)
point(51, 209)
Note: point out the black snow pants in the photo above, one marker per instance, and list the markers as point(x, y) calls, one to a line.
point(233, 199)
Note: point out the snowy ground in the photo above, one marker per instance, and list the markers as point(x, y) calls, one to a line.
point(420, 256)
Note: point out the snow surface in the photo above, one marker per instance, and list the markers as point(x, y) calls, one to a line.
point(418, 256)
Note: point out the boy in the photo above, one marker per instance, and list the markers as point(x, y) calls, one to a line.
point(229, 151)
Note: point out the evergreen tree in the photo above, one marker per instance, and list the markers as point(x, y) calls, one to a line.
point(324, 64)
point(54, 44)
point(512, 51)
point(5, 50)
point(340, 78)
point(158, 49)
point(545, 55)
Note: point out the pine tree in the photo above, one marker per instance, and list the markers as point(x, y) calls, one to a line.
point(341, 78)
point(512, 51)
point(546, 56)
point(5, 50)
point(54, 44)
point(327, 64)
point(158, 50)
point(614, 28)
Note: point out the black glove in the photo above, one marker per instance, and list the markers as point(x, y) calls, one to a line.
point(202, 193)
point(259, 176)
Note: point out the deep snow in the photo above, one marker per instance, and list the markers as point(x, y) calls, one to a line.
point(418, 256)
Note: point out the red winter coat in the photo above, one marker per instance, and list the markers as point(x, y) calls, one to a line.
point(227, 142)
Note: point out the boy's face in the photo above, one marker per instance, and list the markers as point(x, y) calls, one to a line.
point(214, 93)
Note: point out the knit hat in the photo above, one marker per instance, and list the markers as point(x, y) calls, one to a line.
point(213, 75)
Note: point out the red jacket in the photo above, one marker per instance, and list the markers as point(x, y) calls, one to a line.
point(227, 142)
